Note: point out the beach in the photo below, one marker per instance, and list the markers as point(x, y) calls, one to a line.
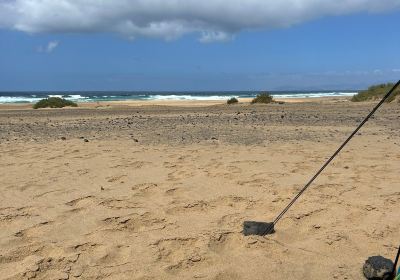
point(160, 190)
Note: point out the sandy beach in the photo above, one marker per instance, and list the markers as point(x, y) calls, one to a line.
point(160, 190)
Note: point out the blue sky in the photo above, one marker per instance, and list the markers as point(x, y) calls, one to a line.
point(349, 51)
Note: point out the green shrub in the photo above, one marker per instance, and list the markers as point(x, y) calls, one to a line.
point(54, 102)
point(376, 92)
point(232, 100)
point(263, 97)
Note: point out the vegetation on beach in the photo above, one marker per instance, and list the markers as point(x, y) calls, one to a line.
point(376, 92)
point(263, 97)
point(54, 102)
point(232, 100)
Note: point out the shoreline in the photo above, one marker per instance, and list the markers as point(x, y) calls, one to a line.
point(176, 103)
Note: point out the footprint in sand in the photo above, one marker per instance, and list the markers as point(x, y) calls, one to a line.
point(135, 223)
point(393, 198)
point(224, 242)
point(133, 164)
point(17, 254)
point(113, 203)
point(335, 237)
point(237, 202)
point(34, 230)
point(230, 173)
point(226, 275)
point(256, 183)
point(196, 206)
point(179, 253)
point(9, 214)
point(231, 221)
point(181, 174)
point(144, 189)
point(81, 200)
point(306, 214)
point(113, 179)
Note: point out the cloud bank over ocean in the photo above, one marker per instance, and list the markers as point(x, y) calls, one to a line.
point(212, 20)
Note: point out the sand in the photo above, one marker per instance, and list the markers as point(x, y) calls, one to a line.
point(161, 192)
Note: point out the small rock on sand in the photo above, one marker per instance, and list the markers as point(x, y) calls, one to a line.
point(377, 267)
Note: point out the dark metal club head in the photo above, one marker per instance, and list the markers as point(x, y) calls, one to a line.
point(257, 228)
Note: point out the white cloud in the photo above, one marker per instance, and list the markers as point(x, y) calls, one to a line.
point(215, 36)
point(214, 20)
point(49, 47)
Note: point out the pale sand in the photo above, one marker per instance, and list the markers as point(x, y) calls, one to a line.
point(171, 206)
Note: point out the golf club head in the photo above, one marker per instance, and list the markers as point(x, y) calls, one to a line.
point(257, 228)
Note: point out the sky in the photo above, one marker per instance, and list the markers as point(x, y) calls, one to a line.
point(187, 45)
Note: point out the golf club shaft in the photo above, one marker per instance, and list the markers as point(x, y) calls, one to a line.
point(333, 156)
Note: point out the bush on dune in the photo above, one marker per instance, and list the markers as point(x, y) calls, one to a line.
point(263, 98)
point(54, 102)
point(232, 100)
point(376, 92)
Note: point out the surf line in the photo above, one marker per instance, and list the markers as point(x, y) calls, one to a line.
point(264, 228)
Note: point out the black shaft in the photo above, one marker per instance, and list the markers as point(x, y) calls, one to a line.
point(333, 156)
point(395, 264)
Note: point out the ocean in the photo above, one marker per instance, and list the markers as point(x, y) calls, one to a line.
point(93, 96)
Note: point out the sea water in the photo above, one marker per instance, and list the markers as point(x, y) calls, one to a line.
point(93, 96)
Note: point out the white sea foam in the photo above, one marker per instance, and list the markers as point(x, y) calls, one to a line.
point(33, 98)
point(18, 99)
point(225, 97)
point(188, 97)
point(313, 94)
point(77, 97)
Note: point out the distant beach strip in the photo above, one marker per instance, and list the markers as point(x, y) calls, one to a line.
point(94, 96)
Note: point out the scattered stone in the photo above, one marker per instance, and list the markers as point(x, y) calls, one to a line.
point(136, 140)
point(214, 138)
point(85, 140)
point(63, 138)
point(377, 268)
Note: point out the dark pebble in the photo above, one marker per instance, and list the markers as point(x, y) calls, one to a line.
point(378, 267)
